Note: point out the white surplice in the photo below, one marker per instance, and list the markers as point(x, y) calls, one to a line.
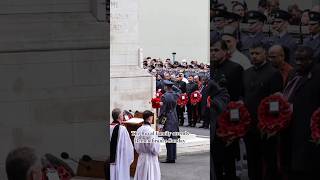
point(148, 167)
point(124, 156)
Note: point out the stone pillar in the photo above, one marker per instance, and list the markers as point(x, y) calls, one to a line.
point(53, 60)
point(131, 87)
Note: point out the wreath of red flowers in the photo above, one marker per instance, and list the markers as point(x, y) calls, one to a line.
point(195, 97)
point(183, 99)
point(270, 123)
point(155, 102)
point(315, 126)
point(229, 130)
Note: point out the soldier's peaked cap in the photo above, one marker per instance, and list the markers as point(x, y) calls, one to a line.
point(280, 14)
point(257, 15)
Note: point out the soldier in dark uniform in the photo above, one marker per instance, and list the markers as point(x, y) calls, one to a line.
point(168, 109)
point(280, 23)
point(191, 87)
point(228, 74)
point(218, 20)
point(233, 20)
point(255, 31)
point(314, 40)
point(183, 87)
point(260, 81)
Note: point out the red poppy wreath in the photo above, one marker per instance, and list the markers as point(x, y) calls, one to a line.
point(274, 114)
point(233, 122)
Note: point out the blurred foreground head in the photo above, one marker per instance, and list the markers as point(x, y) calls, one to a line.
point(23, 164)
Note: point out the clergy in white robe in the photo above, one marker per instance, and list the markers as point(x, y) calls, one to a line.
point(124, 154)
point(147, 146)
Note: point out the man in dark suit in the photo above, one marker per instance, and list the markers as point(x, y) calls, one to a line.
point(303, 91)
point(260, 81)
point(191, 87)
point(183, 87)
point(228, 74)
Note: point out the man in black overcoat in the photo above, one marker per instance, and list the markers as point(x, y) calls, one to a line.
point(260, 81)
point(183, 87)
point(228, 74)
point(303, 91)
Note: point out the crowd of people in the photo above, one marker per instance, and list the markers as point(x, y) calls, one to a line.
point(253, 64)
point(188, 78)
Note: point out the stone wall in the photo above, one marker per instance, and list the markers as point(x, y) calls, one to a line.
point(54, 57)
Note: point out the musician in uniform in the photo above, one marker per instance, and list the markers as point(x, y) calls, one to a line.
point(280, 23)
point(314, 40)
point(219, 22)
point(255, 33)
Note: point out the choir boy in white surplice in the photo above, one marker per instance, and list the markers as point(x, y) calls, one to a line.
point(121, 148)
point(147, 145)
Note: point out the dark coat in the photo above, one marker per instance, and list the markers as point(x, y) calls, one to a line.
point(260, 83)
point(168, 108)
point(305, 155)
point(182, 86)
point(191, 87)
point(219, 101)
point(230, 75)
point(159, 84)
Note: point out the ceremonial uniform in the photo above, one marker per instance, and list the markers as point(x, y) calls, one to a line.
point(314, 40)
point(283, 38)
point(168, 109)
point(260, 82)
point(314, 43)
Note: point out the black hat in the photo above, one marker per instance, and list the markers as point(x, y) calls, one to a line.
point(257, 15)
point(232, 16)
point(219, 13)
point(314, 16)
point(218, 6)
point(230, 31)
point(280, 14)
